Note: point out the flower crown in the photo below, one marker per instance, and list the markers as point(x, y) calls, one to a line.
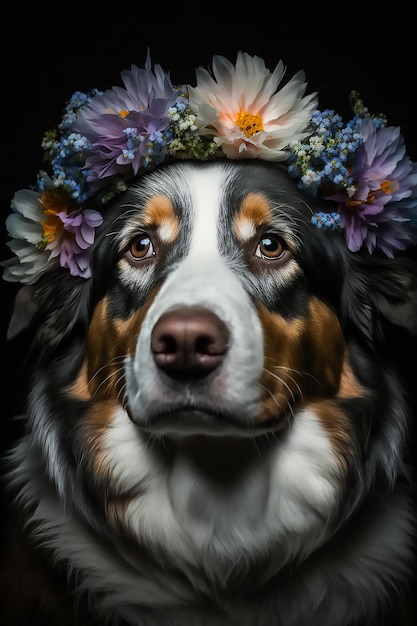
point(238, 111)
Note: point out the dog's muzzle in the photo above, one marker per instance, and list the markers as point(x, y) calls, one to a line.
point(198, 357)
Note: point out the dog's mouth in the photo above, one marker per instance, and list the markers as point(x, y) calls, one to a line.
point(185, 421)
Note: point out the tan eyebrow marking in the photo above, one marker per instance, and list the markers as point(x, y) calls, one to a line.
point(159, 213)
point(254, 211)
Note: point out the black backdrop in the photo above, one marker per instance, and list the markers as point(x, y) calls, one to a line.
point(50, 51)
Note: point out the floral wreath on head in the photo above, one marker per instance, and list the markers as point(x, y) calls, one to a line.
point(238, 111)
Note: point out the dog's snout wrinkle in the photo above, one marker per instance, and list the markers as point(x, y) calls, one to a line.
point(189, 342)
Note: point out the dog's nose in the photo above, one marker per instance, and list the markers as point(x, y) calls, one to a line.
point(189, 342)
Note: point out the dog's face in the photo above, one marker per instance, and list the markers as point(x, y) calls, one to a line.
point(217, 392)
point(209, 325)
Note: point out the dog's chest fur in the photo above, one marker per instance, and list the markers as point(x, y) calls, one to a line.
point(213, 437)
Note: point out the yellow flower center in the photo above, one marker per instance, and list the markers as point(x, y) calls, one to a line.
point(387, 187)
point(122, 112)
point(249, 123)
point(50, 229)
point(51, 226)
point(53, 202)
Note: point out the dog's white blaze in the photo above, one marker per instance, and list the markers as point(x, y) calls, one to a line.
point(203, 279)
point(205, 191)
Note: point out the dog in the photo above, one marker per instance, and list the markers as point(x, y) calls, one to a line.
point(218, 420)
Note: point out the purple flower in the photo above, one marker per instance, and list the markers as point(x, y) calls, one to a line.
point(376, 211)
point(72, 243)
point(83, 225)
point(119, 123)
point(71, 257)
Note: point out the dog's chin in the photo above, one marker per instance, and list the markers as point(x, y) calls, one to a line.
point(195, 421)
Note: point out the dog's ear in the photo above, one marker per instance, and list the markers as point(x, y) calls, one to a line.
point(379, 293)
point(50, 309)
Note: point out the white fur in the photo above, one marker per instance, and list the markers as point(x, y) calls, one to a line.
point(280, 501)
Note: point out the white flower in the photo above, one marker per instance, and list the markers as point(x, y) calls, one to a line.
point(24, 225)
point(241, 108)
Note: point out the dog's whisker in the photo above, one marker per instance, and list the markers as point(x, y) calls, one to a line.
point(291, 378)
point(122, 388)
point(121, 395)
point(278, 404)
point(299, 372)
point(285, 384)
point(107, 378)
point(295, 371)
point(269, 392)
point(115, 361)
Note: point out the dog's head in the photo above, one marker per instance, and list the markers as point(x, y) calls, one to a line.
point(225, 380)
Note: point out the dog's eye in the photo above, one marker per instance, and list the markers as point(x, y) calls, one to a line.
point(141, 248)
point(270, 247)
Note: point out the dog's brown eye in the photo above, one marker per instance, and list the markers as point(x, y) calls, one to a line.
point(141, 248)
point(270, 247)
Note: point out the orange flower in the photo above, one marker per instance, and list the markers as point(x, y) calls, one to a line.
point(54, 203)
